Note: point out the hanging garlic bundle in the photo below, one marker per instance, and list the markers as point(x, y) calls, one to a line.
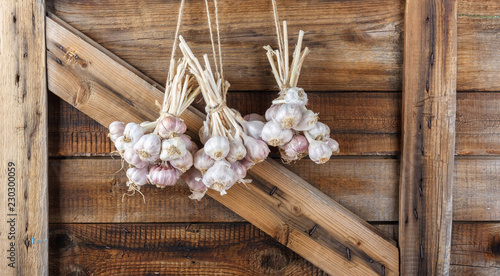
point(159, 152)
point(290, 125)
point(229, 150)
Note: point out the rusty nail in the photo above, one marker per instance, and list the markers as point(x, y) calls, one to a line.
point(313, 229)
point(273, 191)
point(421, 252)
point(348, 253)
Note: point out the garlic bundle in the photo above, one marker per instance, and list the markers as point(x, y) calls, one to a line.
point(231, 144)
point(289, 124)
point(159, 152)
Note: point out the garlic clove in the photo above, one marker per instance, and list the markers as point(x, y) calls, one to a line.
point(257, 150)
point(148, 147)
point(237, 151)
point(162, 176)
point(217, 147)
point(271, 112)
point(288, 116)
point(319, 151)
point(319, 132)
point(133, 158)
point(274, 135)
point(334, 145)
point(220, 177)
point(131, 134)
point(296, 96)
point(309, 119)
point(202, 161)
point(171, 126)
point(137, 176)
point(255, 117)
point(172, 148)
point(184, 163)
point(193, 179)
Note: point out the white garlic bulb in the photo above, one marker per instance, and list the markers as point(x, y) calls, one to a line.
point(309, 119)
point(194, 180)
point(137, 176)
point(204, 133)
point(120, 145)
point(132, 133)
point(319, 151)
point(148, 147)
point(172, 148)
point(271, 112)
point(319, 132)
point(253, 128)
point(190, 145)
point(220, 177)
point(237, 151)
point(334, 145)
point(184, 163)
point(116, 129)
point(133, 158)
point(288, 116)
point(217, 147)
point(274, 135)
point(239, 169)
point(202, 161)
point(296, 96)
point(257, 150)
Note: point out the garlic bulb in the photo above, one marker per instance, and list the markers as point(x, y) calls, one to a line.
point(132, 133)
point(202, 161)
point(334, 145)
point(120, 145)
point(247, 163)
point(220, 177)
point(271, 112)
point(193, 179)
point(162, 176)
point(133, 158)
point(204, 134)
point(137, 176)
point(288, 116)
point(184, 163)
point(296, 147)
point(172, 148)
point(257, 150)
point(217, 147)
point(319, 151)
point(274, 135)
point(309, 119)
point(296, 96)
point(170, 127)
point(254, 117)
point(190, 145)
point(116, 129)
point(148, 147)
point(239, 169)
point(253, 128)
point(237, 151)
point(319, 132)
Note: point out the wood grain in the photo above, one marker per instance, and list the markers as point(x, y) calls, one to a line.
point(355, 45)
point(90, 191)
point(428, 137)
point(363, 123)
point(187, 249)
point(102, 86)
point(23, 142)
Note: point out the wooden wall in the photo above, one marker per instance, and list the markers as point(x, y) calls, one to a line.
point(353, 78)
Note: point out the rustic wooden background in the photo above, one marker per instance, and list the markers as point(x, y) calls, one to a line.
point(353, 78)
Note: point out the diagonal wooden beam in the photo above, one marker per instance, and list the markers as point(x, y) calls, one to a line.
point(429, 105)
point(278, 202)
point(23, 139)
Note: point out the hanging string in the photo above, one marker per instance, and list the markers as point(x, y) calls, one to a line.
point(211, 37)
point(174, 47)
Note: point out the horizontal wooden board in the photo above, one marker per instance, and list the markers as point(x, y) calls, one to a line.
point(357, 45)
point(236, 248)
point(91, 190)
point(363, 123)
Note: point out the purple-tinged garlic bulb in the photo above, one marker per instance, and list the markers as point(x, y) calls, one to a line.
point(148, 147)
point(170, 127)
point(134, 159)
point(297, 147)
point(202, 161)
point(271, 112)
point(334, 145)
point(239, 169)
point(194, 180)
point(137, 176)
point(184, 163)
point(116, 129)
point(163, 175)
point(257, 150)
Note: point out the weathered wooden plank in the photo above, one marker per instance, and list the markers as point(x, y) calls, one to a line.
point(355, 45)
point(187, 249)
point(107, 91)
point(90, 190)
point(478, 45)
point(428, 136)
point(23, 144)
point(363, 123)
